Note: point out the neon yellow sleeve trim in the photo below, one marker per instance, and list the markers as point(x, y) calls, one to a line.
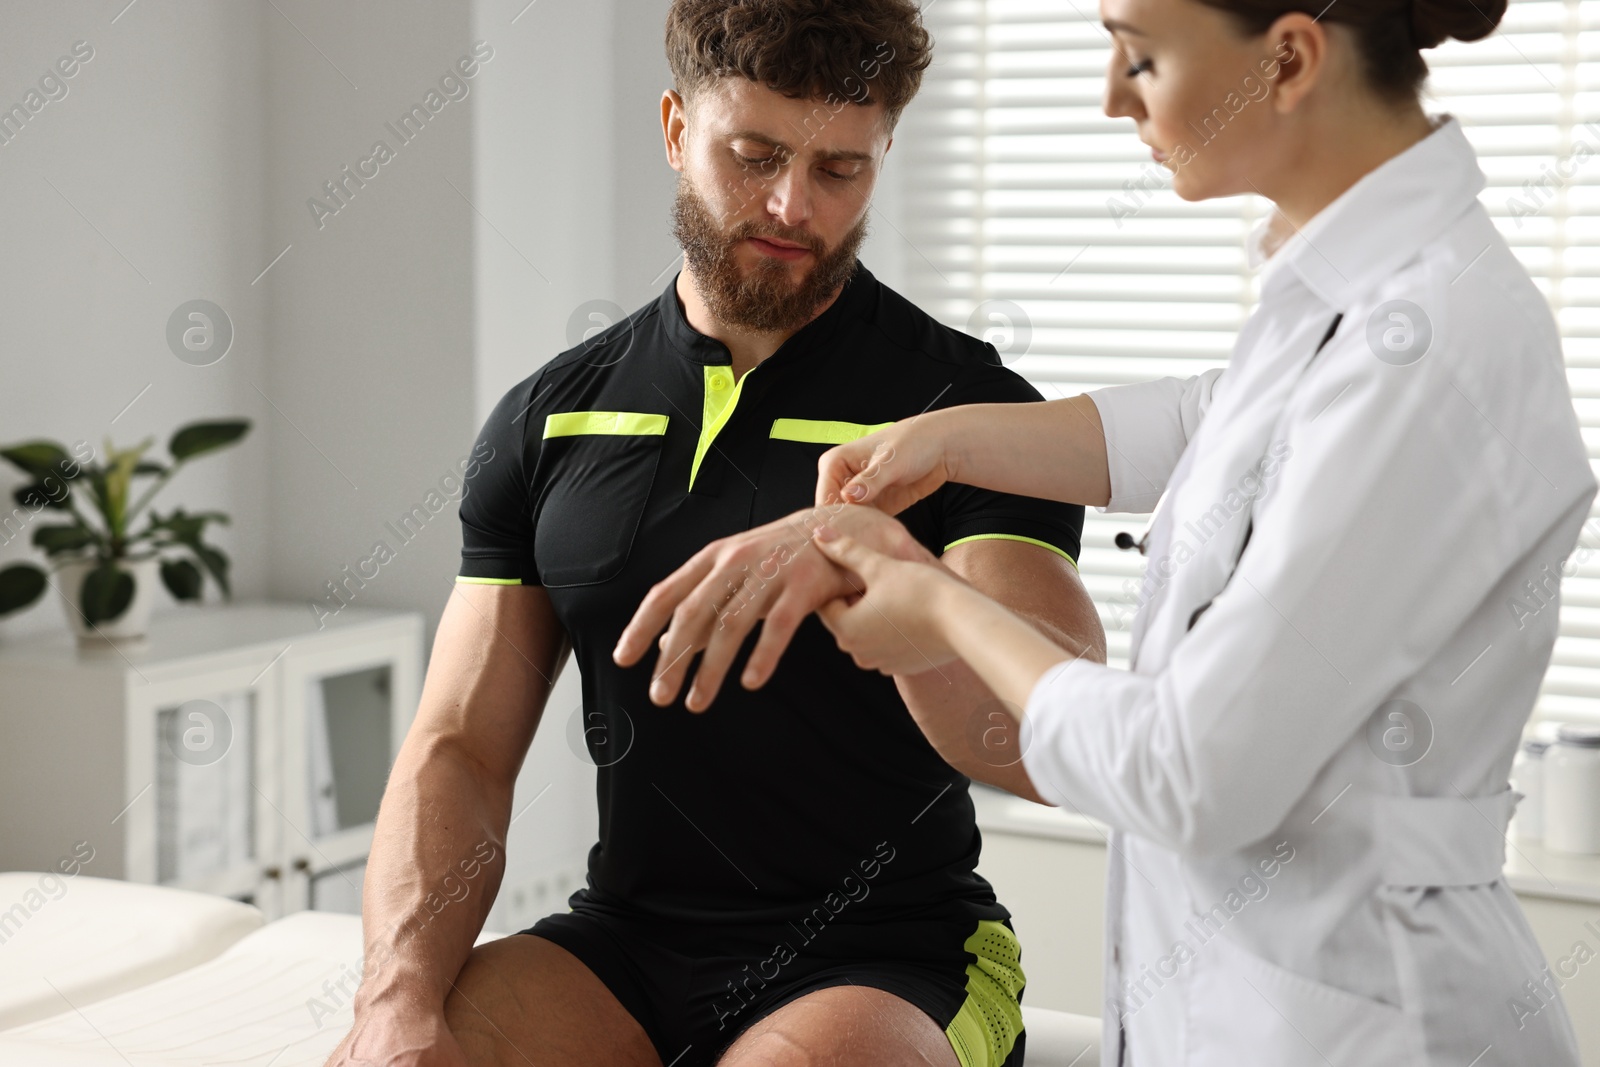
point(1014, 537)
point(617, 423)
point(819, 432)
point(464, 580)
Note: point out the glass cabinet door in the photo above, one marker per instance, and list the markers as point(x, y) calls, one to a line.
point(346, 710)
point(201, 785)
point(205, 788)
point(348, 734)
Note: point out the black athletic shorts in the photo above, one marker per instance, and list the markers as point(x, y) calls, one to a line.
point(694, 989)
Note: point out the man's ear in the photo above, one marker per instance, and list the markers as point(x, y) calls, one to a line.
point(674, 124)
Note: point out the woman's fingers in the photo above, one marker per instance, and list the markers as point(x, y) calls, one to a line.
point(838, 473)
point(889, 470)
point(837, 617)
point(864, 484)
point(847, 552)
point(856, 634)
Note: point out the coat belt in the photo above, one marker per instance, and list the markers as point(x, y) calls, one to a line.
point(1441, 841)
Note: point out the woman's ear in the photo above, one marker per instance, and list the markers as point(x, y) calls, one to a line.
point(1295, 59)
point(674, 123)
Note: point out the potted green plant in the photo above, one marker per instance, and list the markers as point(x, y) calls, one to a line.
point(106, 569)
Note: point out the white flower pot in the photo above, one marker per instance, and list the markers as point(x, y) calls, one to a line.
point(131, 625)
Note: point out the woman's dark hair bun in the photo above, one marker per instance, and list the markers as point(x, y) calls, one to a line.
point(1434, 22)
point(1389, 33)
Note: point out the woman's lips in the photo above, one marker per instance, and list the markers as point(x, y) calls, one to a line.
point(779, 251)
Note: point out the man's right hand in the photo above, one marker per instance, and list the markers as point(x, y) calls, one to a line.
point(398, 1037)
point(771, 575)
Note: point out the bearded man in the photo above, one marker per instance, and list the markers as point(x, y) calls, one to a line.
point(788, 877)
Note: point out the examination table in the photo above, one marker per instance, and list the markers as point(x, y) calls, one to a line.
point(105, 973)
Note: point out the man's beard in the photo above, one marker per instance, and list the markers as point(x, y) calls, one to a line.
point(761, 300)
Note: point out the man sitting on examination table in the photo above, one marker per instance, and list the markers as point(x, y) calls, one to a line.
point(790, 879)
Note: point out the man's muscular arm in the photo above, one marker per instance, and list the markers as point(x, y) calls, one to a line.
point(952, 705)
point(438, 851)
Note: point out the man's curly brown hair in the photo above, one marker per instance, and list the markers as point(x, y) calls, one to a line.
point(839, 51)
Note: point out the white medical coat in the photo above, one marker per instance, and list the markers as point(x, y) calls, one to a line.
point(1308, 789)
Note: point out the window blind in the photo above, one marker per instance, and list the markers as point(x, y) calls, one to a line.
point(1040, 224)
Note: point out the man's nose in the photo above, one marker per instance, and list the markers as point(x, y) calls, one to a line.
point(789, 197)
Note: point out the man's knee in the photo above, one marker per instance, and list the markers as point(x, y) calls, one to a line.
point(470, 1006)
point(767, 1048)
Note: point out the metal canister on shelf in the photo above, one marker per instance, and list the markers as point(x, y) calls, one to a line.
point(1571, 775)
point(1527, 778)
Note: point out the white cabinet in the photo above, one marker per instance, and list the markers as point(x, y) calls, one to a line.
point(239, 750)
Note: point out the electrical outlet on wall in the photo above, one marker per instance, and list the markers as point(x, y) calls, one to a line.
point(524, 903)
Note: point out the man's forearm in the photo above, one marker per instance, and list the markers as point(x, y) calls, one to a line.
point(949, 707)
point(966, 724)
point(438, 856)
point(957, 711)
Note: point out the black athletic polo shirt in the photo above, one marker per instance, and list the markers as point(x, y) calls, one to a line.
point(619, 460)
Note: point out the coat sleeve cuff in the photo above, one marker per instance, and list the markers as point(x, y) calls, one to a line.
point(1054, 699)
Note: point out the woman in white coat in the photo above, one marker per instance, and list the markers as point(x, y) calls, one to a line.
point(1350, 592)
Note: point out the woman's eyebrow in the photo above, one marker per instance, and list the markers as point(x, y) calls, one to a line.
point(1122, 27)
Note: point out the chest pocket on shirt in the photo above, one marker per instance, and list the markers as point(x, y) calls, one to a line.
point(789, 468)
point(602, 465)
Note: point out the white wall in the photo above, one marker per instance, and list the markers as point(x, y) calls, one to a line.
point(370, 317)
point(137, 191)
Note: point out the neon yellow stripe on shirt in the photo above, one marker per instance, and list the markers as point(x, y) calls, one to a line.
point(616, 423)
point(721, 397)
point(1014, 537)
point(815, 431)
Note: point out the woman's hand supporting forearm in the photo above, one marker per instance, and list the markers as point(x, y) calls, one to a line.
point(912, 617)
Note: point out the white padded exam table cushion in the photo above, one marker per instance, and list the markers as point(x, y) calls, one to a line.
point(276, 993)
point(99, 936)
point(1059, 1039)
point(273, 999)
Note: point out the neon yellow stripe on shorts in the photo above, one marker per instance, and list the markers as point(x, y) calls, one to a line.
point(986, 1028)
point(615, 423)
point(1014, 537)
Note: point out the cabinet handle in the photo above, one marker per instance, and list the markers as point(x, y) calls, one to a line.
point(272, 873)
point(302, 864)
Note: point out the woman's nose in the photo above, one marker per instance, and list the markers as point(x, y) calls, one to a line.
point(1121, 99)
